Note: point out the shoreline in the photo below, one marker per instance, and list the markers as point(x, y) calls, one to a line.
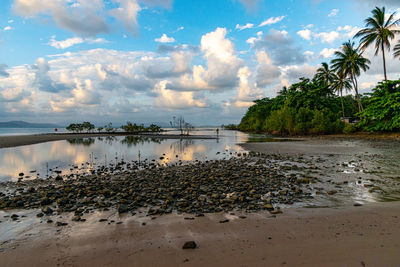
point(365, 234)
point(22, 140)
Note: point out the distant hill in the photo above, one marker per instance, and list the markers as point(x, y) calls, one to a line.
point(24, 124)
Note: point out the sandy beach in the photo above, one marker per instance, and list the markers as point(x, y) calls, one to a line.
point(352, 236)
point(22, 140)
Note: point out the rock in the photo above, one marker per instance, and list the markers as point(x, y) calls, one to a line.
point(40, 215)
point(332, 192)
point(122, 208)
point(47, 211)
point(102, 220)
point(224, 221)
point(278, 211)
point(357, 204)
point(189, 245)
point(76, 218)
point(61, 224)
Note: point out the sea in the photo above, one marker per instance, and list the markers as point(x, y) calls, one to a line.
point(29, 131)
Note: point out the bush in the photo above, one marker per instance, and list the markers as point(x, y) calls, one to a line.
point(349, 128)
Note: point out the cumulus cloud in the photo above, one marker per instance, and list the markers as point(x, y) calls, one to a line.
point(175, 100)
point(280, 46)
point(222, 65)
point(267, 72)
point(293, 73)
point(84, 17)
point(127, 14)
point(42, 78)
point(165, 39)
point(7, 28)
point(324, 37)
point(247, 91)
point(327, 52)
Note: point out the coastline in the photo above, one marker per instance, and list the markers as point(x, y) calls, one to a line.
point(366, 235)
point(22, 140)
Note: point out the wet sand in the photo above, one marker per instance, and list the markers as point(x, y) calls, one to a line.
point(22, 140)
point(353, 236)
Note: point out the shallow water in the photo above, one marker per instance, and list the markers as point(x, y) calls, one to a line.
point(69, 156)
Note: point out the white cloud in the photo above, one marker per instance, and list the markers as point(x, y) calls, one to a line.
point(7, 28)
point(73, 41)
point(165, 39)
point(180, 29)
point(305, 34)
point(175, 100)
point(127, 14)
point(85, 18)
point(333, 13)
point(271, 20)
point(324, 37)
point(327, 52)
point(309, 53)
point(247, 26)
point(252, 40)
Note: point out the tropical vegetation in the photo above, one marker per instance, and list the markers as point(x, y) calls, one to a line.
point(318, 105)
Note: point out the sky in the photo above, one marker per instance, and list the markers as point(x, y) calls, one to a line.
point(145, 61)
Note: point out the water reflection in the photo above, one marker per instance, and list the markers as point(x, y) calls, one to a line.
point(82, 141)
point(136, 140)
point(82, 155)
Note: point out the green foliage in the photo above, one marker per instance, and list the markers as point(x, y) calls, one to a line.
point(109, 128)
point(382, 112)
point(133, 127)
point(307, 107)
point(349, 128)
point(230, 127)
point(80, 127)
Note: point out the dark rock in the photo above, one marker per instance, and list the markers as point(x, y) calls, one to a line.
point(189, 245)
point(224, 221)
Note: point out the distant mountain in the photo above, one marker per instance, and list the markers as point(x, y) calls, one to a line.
point(24, 124)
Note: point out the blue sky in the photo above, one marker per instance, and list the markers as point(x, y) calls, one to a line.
point(149, 60)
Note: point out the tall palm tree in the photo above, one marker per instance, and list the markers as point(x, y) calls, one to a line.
point(340, 83)
point(378, 31)
point(325, 74)
point(350, 62)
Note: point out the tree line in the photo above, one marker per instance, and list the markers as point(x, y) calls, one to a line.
point(312, 105)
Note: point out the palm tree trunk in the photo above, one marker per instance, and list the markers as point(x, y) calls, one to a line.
point(341, 99)
point(384, 61)
point(355, 85)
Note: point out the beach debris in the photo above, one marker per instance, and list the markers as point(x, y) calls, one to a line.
point(189, 245)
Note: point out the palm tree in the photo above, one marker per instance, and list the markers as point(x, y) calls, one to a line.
point(350, 62)
point(379, 31)
point(324, 74)
point(341, 82)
